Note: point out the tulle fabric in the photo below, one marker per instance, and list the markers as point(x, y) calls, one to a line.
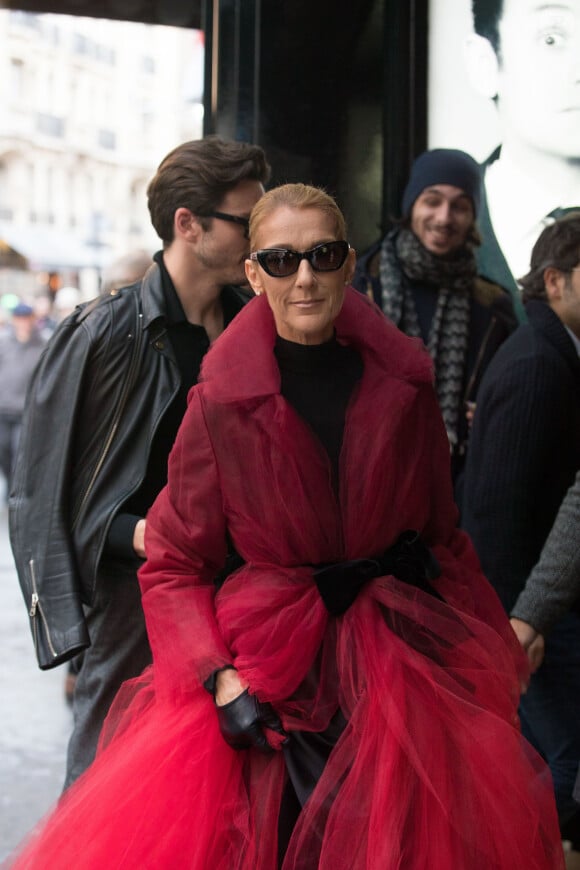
point(431, 770)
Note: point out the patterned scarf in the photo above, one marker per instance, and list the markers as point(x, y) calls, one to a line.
point(403, 260)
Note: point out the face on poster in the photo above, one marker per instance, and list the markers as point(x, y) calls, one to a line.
point(507, 73)
point(517, 81)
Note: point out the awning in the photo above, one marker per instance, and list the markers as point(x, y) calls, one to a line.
point(11, 259)
point(51, 249)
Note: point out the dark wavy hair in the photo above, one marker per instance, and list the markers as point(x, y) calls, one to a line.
point(197, 175)
point(558, 246)
point(486, 17)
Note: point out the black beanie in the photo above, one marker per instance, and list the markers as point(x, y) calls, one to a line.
point(443, 166)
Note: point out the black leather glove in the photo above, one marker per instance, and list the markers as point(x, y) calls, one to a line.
point(242, 721)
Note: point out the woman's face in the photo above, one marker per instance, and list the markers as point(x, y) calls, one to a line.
point(305, 304)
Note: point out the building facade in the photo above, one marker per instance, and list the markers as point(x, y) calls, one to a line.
point(88, 108)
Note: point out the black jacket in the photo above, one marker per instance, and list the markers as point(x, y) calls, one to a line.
point(524, 449)
point(102, 385)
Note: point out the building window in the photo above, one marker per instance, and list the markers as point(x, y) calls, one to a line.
point(107, 139)
point(17, 79)
point(106, 54)
point(81, 45)
point(50, 125)
point(25, 19)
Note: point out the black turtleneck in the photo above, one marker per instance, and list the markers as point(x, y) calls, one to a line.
point(318, 381)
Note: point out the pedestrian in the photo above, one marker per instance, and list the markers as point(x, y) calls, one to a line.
point(66, 300)
point(125, 270)
point(424, 276)
point(20, 350)
point(524, 455)
point(102, 418)
point(347, 697)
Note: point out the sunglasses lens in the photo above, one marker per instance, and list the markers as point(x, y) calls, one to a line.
point(279, 263)
point(330, 257)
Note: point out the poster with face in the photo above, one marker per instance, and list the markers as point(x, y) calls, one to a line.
point(504, 85)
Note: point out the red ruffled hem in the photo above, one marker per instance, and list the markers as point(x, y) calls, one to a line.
point(431, 771)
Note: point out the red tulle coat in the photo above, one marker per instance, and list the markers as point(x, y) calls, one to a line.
point(431, 772)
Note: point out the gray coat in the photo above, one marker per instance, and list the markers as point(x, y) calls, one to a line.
point(553, 587)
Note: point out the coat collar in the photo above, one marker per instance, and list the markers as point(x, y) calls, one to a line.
point(241, 364)
point(547, 322)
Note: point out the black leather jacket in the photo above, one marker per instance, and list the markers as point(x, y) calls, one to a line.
point(97, 396)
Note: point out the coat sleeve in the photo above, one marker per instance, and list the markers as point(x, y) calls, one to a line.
point(553, 587)
point(185, 544)
point(39, 501)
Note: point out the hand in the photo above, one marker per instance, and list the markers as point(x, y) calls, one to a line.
point(525, 633)
point(228, 686)
point(469, 413)
point(139, 538)
point(243, 720)
point(531, 640)
point(536, 652)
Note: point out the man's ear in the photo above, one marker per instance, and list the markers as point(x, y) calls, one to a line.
point(482, 65)
point(554, 281)
point(254, 277)
point(186, 225)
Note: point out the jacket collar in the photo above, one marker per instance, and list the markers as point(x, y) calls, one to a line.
point(547, 322)
point(156, 307)
point(153, 303)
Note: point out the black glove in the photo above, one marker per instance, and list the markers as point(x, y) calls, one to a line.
point(241, 722)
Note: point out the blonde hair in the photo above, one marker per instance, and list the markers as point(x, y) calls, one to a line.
point(299, 196)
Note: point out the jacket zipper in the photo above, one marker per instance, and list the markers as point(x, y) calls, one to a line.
point(35, 607)
point(478, 361)
point(114, 426)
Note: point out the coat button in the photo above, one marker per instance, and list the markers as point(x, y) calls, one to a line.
point(159, 345)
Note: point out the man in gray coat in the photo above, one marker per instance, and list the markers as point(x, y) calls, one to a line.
point(20, 351)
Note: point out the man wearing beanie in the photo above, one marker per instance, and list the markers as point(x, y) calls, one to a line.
point(423, 274)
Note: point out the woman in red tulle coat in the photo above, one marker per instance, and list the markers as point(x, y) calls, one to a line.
point(313, 709)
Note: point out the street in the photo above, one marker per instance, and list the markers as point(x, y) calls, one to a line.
point(35, 720)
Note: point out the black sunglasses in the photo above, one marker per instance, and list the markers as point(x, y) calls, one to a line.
point(281, 262)
point(233, 219)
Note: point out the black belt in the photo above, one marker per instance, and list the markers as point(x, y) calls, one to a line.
point(409, 560)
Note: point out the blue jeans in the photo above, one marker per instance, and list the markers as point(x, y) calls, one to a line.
point(550, 713)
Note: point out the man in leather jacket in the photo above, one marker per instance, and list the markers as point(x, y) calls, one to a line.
point(104, 407)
